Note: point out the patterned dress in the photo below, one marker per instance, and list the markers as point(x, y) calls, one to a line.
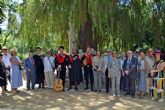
point(156, 83)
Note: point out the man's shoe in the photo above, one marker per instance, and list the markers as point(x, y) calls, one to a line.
point(69, 89)
point(126, 93)
point(133, 96)
point(86, 88)
point(76, 88)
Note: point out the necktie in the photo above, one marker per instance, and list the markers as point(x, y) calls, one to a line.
point(108, 61)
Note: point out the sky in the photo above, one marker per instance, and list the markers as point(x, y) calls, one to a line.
point(5, 23)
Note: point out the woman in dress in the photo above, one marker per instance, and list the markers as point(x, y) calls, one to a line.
point(75, 70)
point(98, 66)
point(16, 75)
point(3, 81)
point(157, 78)
point(143, 67)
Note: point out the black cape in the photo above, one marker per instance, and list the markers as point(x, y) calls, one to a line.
point(75, 73)
point(40, 77)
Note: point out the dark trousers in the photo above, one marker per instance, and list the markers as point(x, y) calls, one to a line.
point(30, 78)
point(62, 77)
point(88, 73)
point(8, 77)
point(123, 83)
point(108, 81)
point(130, 85)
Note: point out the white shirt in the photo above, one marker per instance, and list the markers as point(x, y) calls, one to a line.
point(122, 62)
point(6, 59)
point(48, 65)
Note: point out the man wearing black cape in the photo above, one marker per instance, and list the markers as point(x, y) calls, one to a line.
point(38, 60)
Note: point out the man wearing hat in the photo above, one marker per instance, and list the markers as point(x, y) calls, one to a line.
point(6, 60)
point(61, 61)
point(150, 61)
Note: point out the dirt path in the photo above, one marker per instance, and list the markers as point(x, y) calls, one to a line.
point(40, 99)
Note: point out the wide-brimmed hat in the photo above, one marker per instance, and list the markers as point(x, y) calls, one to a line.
point(12, 50)
point(150, 50)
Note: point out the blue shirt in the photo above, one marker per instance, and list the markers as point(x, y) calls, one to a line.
point(107, 60)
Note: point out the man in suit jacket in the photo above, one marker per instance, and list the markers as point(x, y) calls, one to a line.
point(29, 65)
point(130, 71)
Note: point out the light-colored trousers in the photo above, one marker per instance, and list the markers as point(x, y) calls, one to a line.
point(115, 84)
point(49, 77)
point(147, 84)
point(97, 79)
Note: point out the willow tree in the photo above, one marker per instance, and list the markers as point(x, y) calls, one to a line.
point(118, 24)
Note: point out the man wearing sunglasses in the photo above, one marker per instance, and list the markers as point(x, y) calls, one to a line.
point(130, 71)
point(6, 60)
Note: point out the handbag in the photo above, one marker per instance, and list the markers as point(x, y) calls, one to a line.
point(96, 68)
point(154, 76)
point(20, 68)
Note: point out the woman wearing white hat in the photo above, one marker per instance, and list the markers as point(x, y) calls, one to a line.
point(16, 76)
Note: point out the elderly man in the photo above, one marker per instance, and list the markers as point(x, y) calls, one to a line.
point(6, 60)
point(130, 71)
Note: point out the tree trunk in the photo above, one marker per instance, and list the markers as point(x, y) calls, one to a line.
point(85, 38)
point(71, 34)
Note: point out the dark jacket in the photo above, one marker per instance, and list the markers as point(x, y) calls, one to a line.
point(132, 67)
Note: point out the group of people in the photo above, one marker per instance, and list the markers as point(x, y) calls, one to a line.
point(122, 72)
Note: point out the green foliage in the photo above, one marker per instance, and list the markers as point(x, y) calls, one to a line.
point(117, 25)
